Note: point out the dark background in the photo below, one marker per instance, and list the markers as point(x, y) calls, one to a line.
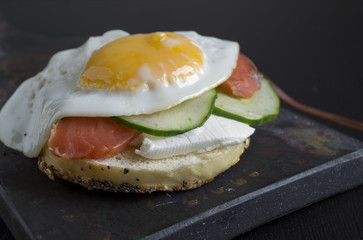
point(311, 49)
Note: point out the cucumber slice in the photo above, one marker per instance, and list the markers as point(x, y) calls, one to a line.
point(179, 119)
point(262, 107)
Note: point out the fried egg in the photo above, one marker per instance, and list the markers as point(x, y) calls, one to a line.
point(116, 74)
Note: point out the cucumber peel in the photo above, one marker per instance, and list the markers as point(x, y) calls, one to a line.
point(179, 119)
point(262, 107)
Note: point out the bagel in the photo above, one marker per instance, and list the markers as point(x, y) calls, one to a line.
point(129, 172)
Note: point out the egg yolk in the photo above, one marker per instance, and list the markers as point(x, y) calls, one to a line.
point(142, 60)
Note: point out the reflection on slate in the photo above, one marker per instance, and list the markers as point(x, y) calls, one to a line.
point(35, 207)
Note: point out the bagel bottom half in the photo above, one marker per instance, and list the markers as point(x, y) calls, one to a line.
point(129, 172)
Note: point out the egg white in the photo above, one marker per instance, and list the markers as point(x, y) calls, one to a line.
point(54, 93)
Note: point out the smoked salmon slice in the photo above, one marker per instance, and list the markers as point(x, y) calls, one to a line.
point(245, 79)
point(89, 138)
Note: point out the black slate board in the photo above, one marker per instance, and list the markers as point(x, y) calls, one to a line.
point(292, 162)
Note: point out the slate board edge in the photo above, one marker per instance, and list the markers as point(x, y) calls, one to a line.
point(245, 213)
point(12, 218)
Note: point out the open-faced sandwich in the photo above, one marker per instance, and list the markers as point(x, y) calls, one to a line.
point(139, 113)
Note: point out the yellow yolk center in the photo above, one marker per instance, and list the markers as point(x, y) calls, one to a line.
point(147, 60)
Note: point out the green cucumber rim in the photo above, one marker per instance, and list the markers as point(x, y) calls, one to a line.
point(165, 133)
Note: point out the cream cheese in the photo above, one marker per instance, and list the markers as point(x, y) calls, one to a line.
point(216, 132)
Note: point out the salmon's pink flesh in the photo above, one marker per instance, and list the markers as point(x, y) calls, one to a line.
point(89, 138)
point(245, 79)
